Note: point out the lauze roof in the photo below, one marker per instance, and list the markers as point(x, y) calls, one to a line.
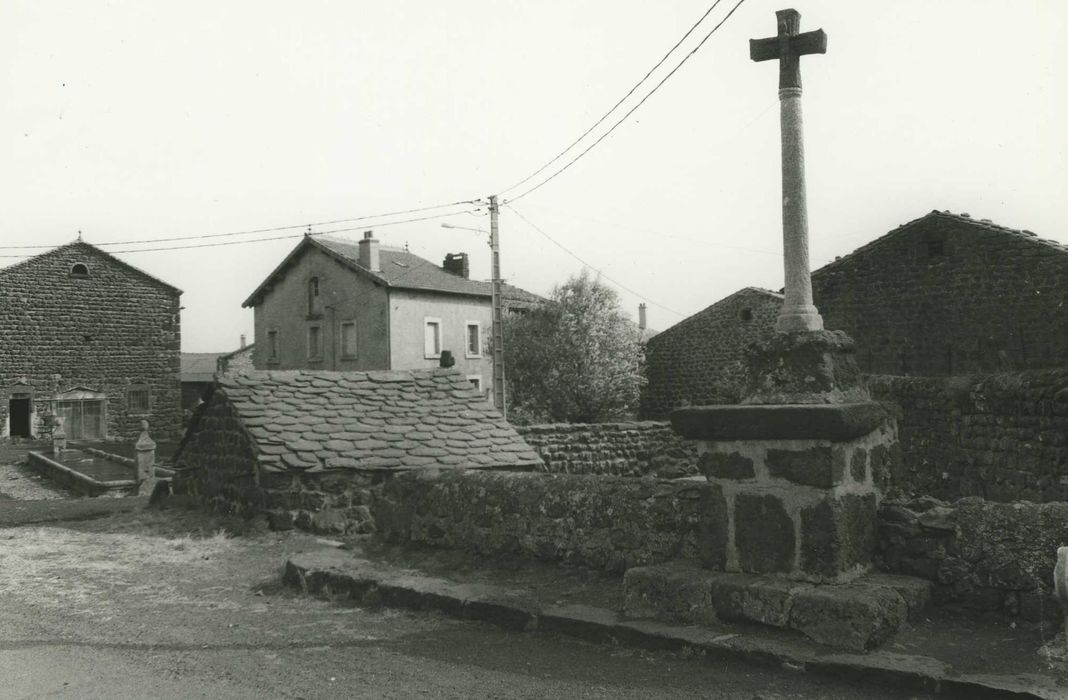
point(311, 421)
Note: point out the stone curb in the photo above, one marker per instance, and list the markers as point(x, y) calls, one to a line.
point(337, 574)
point(18, 513)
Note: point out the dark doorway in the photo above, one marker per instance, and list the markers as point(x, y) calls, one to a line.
point(18, 411)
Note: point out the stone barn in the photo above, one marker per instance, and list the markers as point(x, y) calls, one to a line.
point(307, 447)
point(701, 360)
point(943, 295)
point(94, 340)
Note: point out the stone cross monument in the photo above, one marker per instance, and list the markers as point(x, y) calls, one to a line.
point(798, 312)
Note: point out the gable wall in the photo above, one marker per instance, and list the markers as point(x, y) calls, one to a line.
point(699, 361)
point(345, 295)
point(106, 332)
point(992, 302)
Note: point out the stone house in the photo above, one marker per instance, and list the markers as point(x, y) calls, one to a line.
point(334, 304)
point(306, 447)
point(699, 360)
point(90, 338)
point(942, 295)
point(238, 361)
point(197, 376)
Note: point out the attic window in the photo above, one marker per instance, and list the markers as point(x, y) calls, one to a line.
point(79, 271)
point(747, 314)
point(936, 248)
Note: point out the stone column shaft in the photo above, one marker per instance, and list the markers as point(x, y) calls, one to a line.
point(798, 312)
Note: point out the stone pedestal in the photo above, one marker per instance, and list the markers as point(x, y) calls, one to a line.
point(146, 460)
point(800, 483)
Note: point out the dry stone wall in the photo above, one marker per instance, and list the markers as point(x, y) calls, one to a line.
point(980, 555)
point(1001, 437)
point(646, 448)
point(605, 522)
point(110, 330)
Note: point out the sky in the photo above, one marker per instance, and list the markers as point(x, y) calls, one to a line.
point(135, 122)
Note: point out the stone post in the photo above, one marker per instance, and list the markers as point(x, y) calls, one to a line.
point(59, 438)
point(1060, 587)
point(798, 312)
point(146, 455)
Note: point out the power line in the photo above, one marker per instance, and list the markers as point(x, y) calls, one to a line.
point(261, 230)
point(271, 238)
point(631, 111)
point(692, 241)
point(562, 247)
point(621, 100)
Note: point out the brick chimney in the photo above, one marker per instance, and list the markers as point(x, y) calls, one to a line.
point(457, 264)
point(641, 316)
point(369, 253)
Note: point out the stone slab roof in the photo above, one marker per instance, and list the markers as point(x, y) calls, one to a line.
point(199, 366)
point(311, 421)
point(400, 270)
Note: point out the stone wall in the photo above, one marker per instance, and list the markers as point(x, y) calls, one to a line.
point(1002, 437)
point(605, 522)
point(981, 555)
point(698, 361)
point(110, 331)
point(619, 449)
point(216, 461)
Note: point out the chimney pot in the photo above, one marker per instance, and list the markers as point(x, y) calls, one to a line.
point(369, 257)
point(641, 316)
point(242, 340)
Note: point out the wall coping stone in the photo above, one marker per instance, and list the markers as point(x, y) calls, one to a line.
point(834, 422)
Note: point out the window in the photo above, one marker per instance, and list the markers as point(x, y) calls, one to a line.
point(313, 296)
point(747, 314)
point(476, 380)
point(432, 337)
point(138, 400)
point(348, 340)
point(474, 339)
point(79, 271)
point(272, 346)
point(936, 248)
point(315, 343)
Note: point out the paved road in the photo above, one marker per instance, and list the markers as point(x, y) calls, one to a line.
point(103, 610)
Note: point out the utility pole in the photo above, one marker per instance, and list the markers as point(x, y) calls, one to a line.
point(498, 312)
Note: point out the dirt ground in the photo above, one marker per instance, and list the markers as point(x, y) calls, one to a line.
point(169, 604)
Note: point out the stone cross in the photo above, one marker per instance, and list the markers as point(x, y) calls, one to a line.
point(798, 312)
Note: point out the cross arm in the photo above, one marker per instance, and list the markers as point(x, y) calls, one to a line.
point(797, 45)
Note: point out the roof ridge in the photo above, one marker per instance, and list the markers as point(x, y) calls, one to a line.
point(963, 217)
point(95, 249)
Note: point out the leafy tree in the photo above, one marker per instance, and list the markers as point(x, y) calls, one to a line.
point(575, 359)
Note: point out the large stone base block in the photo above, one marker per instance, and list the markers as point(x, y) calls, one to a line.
point(857, 616)
point(805, 508)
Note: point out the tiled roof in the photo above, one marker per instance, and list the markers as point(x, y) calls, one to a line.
point(404, 270)
point(312, 421)
point(401, 270)
point(199, 366)
point(986, 224)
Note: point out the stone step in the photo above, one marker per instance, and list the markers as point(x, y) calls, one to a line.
point(857, 616)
